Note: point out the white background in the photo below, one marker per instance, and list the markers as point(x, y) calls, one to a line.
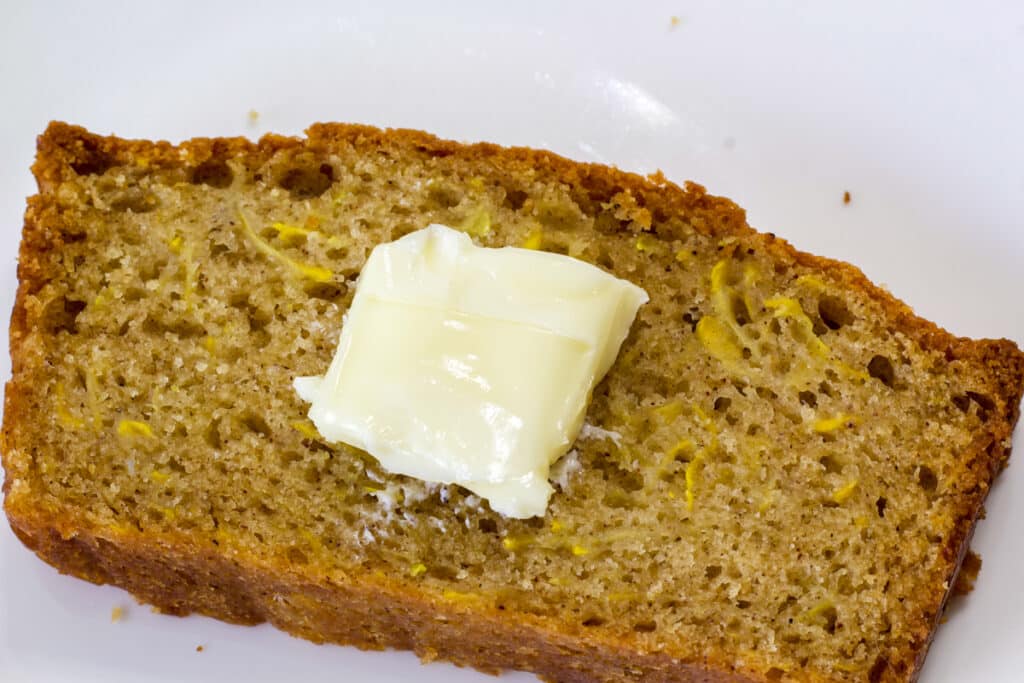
point(916, 108)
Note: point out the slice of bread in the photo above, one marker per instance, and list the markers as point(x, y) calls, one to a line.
point(777, 481)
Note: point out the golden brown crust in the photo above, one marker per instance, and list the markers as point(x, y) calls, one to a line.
point(178, 577)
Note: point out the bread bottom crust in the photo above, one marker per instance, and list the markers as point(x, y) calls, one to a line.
point(179, 580)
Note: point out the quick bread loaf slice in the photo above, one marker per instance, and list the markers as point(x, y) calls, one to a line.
point(777, 480)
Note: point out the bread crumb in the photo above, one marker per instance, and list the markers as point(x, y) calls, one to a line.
point(116, 614)
point(254, 117)
point(199, 648)
point(968, 574)
point(846, 197)
point(675, 22)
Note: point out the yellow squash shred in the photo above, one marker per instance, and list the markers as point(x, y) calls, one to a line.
point(313, 272)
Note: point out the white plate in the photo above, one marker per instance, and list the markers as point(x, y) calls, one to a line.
point(915, 109)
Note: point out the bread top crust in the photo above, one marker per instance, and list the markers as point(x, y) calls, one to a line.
point(67, 152)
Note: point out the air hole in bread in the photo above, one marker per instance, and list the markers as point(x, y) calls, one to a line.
point(289, 458)
point(313, 475)
point(258, 318)
point(444, 196)
point(261, 338)
point(829, 617)
point(926, 478)
point(834, 312)
point(327, 291)
point(984, 402)
point(214, 173)
point(558, 213)
point(306, 182)
point(515, 199)
point(212, 434)
point(219, 249)
point(618, 500)
point(255, 423)
point(134, 200)
point(878, 670)
point(606, 223)
point(831, 464)
point(92, 161)
point(62, 315)
point(739, 309)
point(881, 369)
point(779, 365)
point(183, 329)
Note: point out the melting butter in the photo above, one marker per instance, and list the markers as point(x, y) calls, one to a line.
point(468, 365)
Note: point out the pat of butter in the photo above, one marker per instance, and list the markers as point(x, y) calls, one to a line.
point(473, 366)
